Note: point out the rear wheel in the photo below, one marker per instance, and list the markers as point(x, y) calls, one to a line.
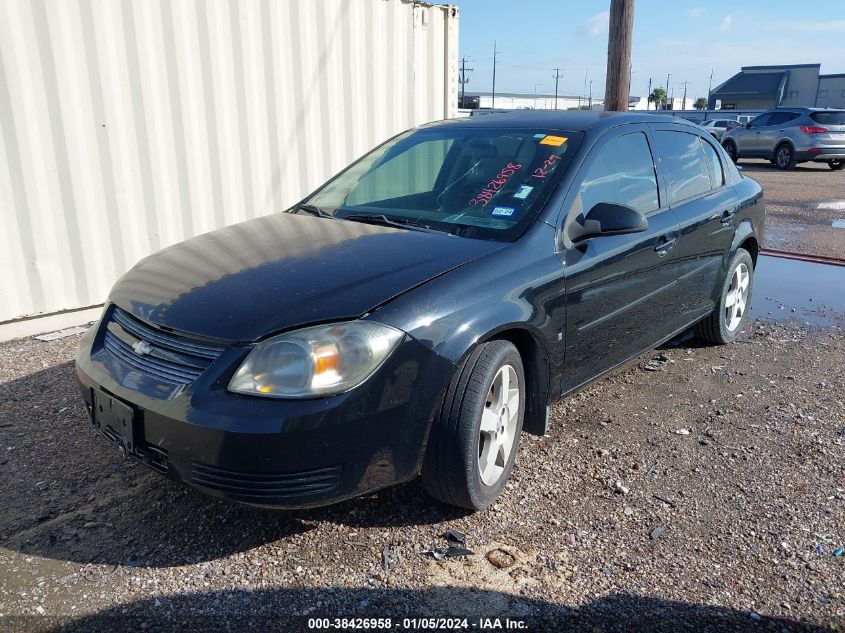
point(837, 164)
point(730, 148)
point(784, 156)
point(474, 441)
point(725, 322)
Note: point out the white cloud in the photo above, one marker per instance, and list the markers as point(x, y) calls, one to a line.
point(597, 25)
point(726, 23)
point(697, 12)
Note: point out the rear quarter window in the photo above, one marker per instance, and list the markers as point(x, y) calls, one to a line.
point(837, 117)
point(684, 164)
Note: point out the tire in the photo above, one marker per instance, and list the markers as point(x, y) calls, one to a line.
point(730, 148)
point(452, 470)
point(784, 156)
point(837, 164)
point(716, 328)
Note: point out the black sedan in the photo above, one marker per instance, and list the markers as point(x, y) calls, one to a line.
point(423, 308)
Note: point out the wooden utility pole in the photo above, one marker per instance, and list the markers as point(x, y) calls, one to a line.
point(617, 86)
point(495, 54)
point(464, 80)
point(557, 78)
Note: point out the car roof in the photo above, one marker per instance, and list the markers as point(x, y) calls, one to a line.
point(579, 121)
point(802, 109)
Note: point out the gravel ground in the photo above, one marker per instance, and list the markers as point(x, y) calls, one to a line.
point(729, 507)
point(794, 220)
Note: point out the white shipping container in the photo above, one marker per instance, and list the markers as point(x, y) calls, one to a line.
point(129, 126)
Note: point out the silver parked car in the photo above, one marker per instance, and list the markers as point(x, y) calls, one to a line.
point(718, 127)
point(787, 136)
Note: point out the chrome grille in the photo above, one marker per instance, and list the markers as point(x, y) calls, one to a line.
point(172, 357)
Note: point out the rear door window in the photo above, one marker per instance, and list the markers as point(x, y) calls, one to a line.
point(836, 117)
point(779, 118)
point(684, 163)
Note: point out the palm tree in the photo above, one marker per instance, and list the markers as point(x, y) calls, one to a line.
point(658, 97)
point(700, 103)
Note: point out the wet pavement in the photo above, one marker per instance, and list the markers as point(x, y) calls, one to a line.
point(810, 292)
point(804, 207)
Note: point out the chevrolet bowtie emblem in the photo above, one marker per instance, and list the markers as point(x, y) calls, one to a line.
point(142, 348)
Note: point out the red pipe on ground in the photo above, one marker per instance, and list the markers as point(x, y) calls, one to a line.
point(804, 257)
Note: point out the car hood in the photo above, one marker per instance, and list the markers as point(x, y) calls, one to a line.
point(281, 271)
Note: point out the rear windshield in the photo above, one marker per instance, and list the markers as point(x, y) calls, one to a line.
point(836, 117)
point(476, 182)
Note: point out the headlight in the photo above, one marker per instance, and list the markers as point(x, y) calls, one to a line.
point(316, 361)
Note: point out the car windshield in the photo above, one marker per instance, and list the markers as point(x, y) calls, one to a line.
point(837, 117)
point(471, 181)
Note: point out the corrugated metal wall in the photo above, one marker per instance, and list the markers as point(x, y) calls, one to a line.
point(126, 126)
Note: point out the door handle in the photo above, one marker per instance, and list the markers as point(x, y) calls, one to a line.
point(664, 245)
point(728, 215)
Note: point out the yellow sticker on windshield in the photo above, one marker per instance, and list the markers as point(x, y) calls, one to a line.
point(556, 141)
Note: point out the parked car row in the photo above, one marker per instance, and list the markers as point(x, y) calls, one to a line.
point(788, 136)
point(718, 127)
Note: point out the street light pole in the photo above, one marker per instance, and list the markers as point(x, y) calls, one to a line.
point(590, 106)
point(709, 87)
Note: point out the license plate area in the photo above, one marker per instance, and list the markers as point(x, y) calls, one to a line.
point(116, 420)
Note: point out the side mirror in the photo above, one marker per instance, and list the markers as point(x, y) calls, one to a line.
point(608, 219)
point(748, 124)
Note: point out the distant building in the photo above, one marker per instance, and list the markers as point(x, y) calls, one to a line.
point(674, 103)
point(528, 101)
point(763, 87)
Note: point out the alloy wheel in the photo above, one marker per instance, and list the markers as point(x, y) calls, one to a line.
point(498, 425)
point(784, 156)
point(737, 297)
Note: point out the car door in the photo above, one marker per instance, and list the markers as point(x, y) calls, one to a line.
point(692, 175)
point(772, 132)
point(620, 289)
point(748, 139)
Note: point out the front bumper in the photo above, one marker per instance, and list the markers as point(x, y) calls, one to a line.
point(274, 452)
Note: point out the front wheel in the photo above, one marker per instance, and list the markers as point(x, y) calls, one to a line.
point(474, 441)
point(837, 164)
point(725, 322)
point(730, 148)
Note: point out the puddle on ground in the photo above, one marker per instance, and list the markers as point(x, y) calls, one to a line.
point(836, 205)
point(839, 224)
point(789, 289)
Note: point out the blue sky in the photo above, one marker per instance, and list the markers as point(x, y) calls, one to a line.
point(686, 39)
